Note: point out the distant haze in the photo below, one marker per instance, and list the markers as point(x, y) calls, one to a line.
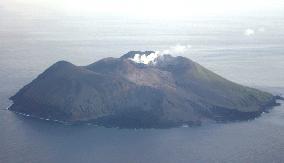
point(147, 8)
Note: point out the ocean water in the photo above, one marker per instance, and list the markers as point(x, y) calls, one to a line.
point(28, 45)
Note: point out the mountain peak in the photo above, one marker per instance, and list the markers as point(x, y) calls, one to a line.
point(131, 54)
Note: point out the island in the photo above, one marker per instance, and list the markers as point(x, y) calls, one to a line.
point(139, 90)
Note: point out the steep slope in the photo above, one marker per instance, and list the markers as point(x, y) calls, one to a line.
point(169, 91)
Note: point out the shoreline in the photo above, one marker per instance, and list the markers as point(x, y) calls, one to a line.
point(266, 109)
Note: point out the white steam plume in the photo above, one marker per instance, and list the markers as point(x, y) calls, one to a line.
point(152, 58)
point(249, 32)
point(146, 59)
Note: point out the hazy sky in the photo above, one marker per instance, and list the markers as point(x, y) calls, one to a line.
point(154, 8)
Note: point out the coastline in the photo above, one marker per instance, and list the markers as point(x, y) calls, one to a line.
point(244, 116)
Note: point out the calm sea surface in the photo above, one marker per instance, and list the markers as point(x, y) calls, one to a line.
point(28, 45)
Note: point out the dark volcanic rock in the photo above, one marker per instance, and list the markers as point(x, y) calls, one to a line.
point(120, 92)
